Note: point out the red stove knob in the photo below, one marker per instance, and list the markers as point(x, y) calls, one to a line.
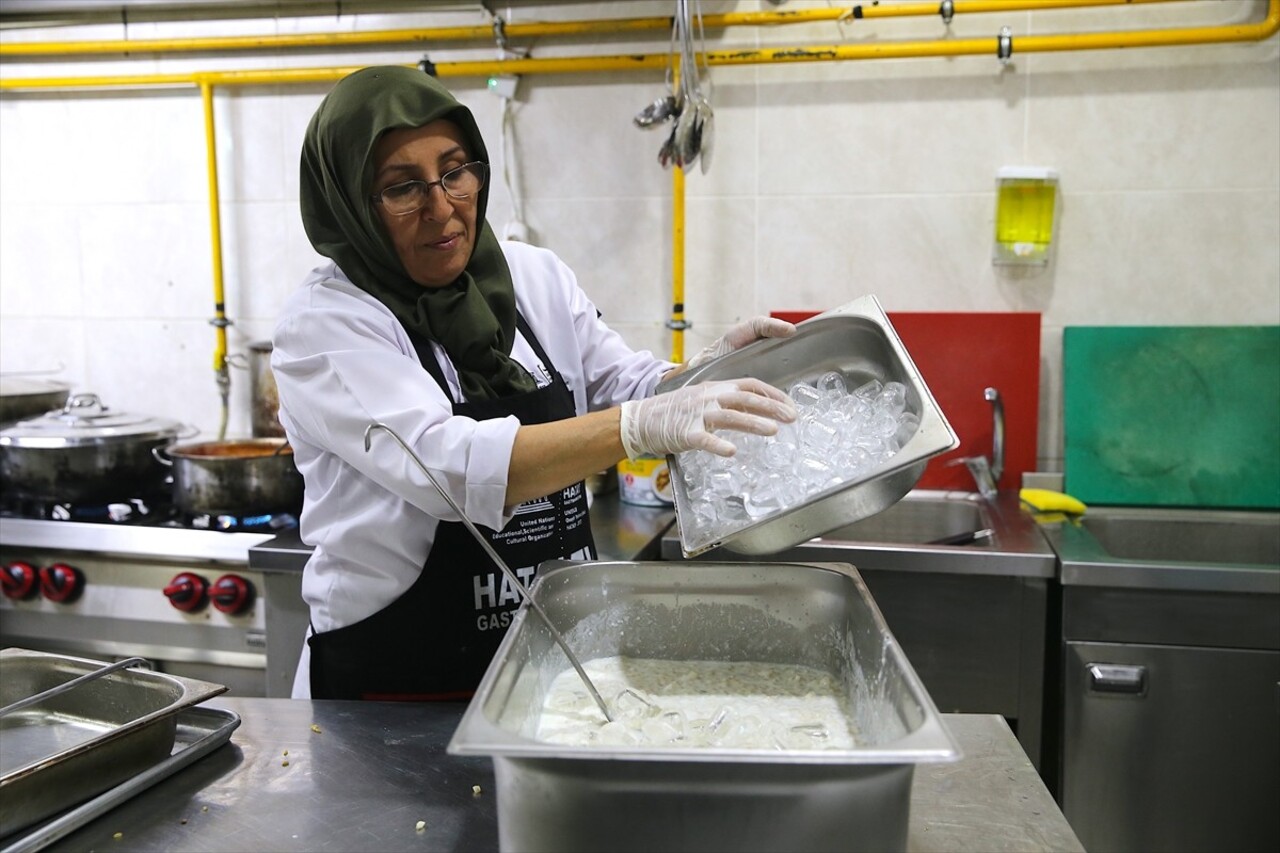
point(187, 591)
point(20, 580)
point(61, 583)
point(232, 594)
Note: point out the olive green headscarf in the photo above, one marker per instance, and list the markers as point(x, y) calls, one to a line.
point(473, 318)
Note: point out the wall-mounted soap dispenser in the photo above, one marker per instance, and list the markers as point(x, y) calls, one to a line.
point(1026, 201)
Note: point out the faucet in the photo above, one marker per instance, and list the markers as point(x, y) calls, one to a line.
point(986, 472)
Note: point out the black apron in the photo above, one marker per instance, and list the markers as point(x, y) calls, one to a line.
point(435, 641)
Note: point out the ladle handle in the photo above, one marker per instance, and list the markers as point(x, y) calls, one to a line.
point(498, 561)
point(70, 685)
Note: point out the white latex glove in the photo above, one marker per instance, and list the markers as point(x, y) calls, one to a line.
point(685, 418)
point(741, 335)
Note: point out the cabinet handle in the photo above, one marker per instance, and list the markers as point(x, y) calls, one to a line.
point(1117, 678)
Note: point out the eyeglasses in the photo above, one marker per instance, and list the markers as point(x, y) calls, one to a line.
point(411, 196)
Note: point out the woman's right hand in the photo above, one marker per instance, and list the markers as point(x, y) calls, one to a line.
point(685, 418)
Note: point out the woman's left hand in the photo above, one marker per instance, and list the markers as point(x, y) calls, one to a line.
point(741, 335)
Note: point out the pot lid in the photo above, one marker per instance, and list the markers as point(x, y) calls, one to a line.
point(25, 386)
point(85, 420)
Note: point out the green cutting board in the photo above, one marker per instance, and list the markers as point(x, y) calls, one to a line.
point(1185, 416)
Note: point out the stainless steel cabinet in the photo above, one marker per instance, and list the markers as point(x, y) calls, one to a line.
point(1171, 720)
point(1172, 747)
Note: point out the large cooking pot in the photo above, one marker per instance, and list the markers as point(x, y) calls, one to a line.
point(253, 476)
point(85, 453)
point(23, 397)
point(262, 388)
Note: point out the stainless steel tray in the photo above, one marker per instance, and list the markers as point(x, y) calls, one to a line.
point(79, 742)
point(858, 341)
point(199, 732)
point(595, 798)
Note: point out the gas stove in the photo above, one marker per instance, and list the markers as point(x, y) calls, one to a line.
point(137, 578)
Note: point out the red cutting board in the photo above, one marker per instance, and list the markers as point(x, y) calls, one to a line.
point(960, 355)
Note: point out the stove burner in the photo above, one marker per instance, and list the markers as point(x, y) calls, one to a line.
point(132, 511)
point(264, 523)
point(145, 512)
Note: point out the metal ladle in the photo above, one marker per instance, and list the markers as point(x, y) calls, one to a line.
point(59, 689)
point(692, 133)
point(493, 555)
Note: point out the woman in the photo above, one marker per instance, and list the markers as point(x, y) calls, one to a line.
point(487, 359)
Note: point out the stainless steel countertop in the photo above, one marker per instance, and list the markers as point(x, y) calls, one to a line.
point(621, 532)
point(129, 540)
point(1153, 575)
point(374, 769)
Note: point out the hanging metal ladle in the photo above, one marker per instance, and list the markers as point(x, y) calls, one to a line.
point(493, 555)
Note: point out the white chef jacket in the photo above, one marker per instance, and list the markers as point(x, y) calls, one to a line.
point(341, 361)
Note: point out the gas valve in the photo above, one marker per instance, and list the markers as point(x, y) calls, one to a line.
point(232, 594)
point(188, 592)
point(61, 583)
point(20, 580)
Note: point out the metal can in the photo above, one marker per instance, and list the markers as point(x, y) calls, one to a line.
point(645, 481)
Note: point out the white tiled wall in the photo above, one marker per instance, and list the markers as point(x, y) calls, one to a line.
point(828, 181)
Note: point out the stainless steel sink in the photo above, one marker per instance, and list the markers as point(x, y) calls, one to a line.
point(1197, 537)
point(919, 519)
point(1170, 548)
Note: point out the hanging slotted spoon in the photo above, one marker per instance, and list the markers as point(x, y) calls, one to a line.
point(493, 555)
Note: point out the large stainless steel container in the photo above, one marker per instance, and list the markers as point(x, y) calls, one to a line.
point(85, 452)
point(265, 414)
point(565, 798)
point(857, 341)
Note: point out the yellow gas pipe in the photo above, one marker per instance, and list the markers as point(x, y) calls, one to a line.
point(428, 35)
point(677, 323)
point(219, 321)
point(1171, 37)
point(1257, 31)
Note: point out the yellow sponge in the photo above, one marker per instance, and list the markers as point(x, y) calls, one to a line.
point(1044, 500)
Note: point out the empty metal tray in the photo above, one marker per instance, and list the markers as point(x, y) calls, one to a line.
point(70, 746)
point(199, 732)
